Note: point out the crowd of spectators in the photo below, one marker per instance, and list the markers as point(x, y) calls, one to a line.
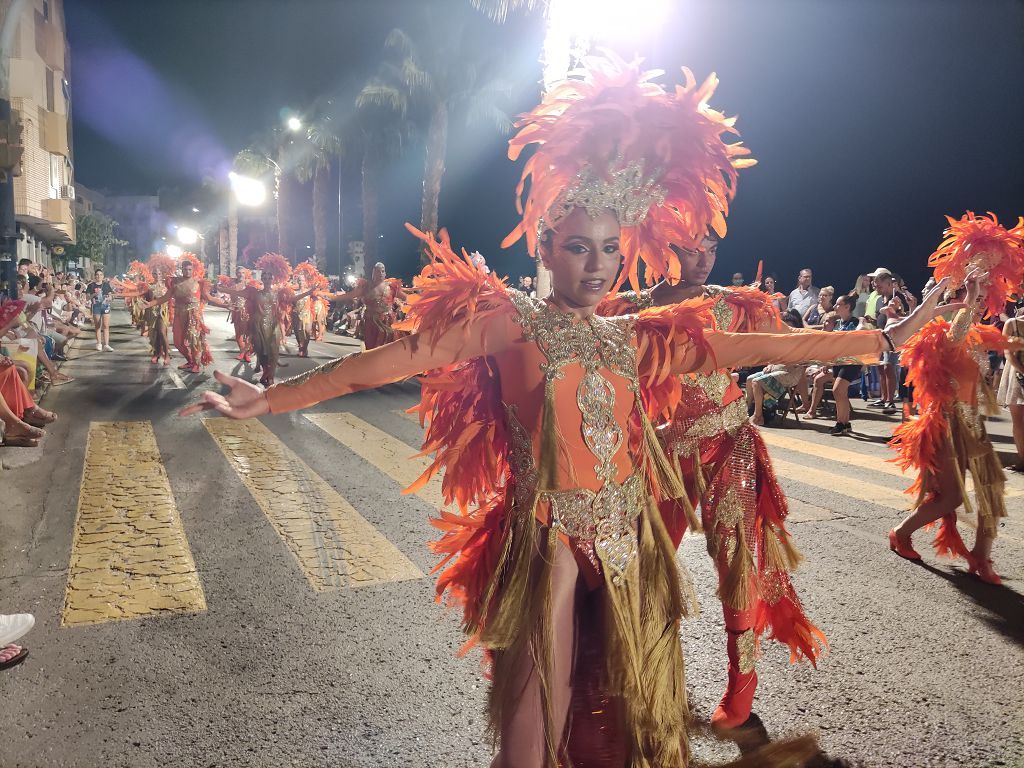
point(46, 311)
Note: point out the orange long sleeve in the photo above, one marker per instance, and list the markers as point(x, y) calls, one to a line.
point(735, 350)
point(393, 362)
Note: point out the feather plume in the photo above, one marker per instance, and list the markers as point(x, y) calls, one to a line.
point(611, 115)
point(140, 272)
point(981, 242)
point(314, 277)
point(274, 267)
point(162, 263)
point(198, 269)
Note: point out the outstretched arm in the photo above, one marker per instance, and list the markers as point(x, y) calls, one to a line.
point(392, 362)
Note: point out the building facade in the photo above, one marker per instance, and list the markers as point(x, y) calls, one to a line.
point(40, 97)
point(140, 224)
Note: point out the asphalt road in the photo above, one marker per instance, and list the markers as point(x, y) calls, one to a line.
point(257, 629)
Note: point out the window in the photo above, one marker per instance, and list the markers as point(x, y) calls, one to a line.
point(56, 175)
point(50, 90)
point(46, 10)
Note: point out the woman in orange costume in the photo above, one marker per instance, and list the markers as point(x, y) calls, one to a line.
point(189, 293)
point(724, 464)
point(304, 306)
point(240, 312)
point(22, 419)
point(161, 266)
point(946, 360)
point(537, 410)
point(380, 294)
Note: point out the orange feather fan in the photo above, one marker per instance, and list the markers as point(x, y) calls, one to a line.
point(275, 267)
point(981, 242)
point(610, 116)
point(198, 270)
point(162, 263)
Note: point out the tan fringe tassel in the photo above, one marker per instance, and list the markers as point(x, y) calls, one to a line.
point(779, 551)
point(737, 588)
point(669, 482)
point(513, 578)
point(547, 471)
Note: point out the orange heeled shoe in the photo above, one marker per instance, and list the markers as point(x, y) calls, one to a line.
point(734, 708)
point(983, 570)
point(906, 552)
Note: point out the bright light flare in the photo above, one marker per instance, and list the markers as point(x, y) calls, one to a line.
point(294, 124)
point(248, 191)
point(174, 251)
point(351, 280)
point(187, 236)
point(576, 26)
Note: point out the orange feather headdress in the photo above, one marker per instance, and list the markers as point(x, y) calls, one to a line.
point(140, 272)
point(198, 269)
point(610, 138)
point(274, 267)
point(162, 263)
point(314, 277)
point(981, 242)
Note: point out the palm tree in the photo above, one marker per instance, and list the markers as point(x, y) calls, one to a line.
point(325, 144)
point(429, 77)
point(499, 10)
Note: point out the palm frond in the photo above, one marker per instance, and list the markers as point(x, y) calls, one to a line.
point(380, 94)
point(487, 112)
point(499, 10)
point(401, 41)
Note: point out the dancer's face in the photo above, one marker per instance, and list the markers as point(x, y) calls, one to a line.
point(696, 265)
point(186, 269)
point(583, 256)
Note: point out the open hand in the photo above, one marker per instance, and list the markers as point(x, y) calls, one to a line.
point(929, 307)
point(243, 401)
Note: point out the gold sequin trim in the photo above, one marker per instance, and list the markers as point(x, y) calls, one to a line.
point(746, 650)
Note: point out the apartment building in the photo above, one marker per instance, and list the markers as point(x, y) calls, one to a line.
point(140, 223)
point(40, 98)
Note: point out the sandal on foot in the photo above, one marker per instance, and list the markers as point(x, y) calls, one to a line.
point(905, 551)
point(16, 659)
point(38, 417)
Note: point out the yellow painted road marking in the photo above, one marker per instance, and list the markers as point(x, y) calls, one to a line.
point(335, 546)
point(819, 451)
point(388, 454)
point(129, 554)
point(843, 484)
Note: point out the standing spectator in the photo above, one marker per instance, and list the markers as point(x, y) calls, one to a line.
point(805, 295)
point(1011, 385)
point(892, 305)
point(99, 291)
point(526, 286)
point(862, 289)
point(737, 279)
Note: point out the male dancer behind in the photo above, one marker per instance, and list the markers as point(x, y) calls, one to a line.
point(724, 465)
point(380, 295)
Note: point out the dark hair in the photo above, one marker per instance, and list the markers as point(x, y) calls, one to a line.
point(792, 318)
point(23, 262)
point(772, 276)
point(849, 299)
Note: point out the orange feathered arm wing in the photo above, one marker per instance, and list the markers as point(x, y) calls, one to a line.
point(753, 311)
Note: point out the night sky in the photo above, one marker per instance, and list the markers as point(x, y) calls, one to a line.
point(871, 119)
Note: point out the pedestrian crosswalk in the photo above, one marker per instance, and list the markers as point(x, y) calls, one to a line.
point(131, 558)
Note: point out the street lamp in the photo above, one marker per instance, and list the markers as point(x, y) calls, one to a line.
point(247, 191)
point(187, 236)
point(172, 250)
point(294, 124)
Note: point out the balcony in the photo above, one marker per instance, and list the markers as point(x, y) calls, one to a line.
point(60, 220)
point(53, 134)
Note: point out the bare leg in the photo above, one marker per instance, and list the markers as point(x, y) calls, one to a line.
point(841, 392)
point(818, 392)
point(755, 388)
point(106, 330)
point(946, 499)
point(1017, 417)
point(522, 734)
point(97, 325)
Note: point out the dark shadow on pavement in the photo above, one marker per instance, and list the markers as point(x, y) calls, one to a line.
point(1006, 605)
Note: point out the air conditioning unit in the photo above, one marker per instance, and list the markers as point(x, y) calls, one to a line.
point(67, 192)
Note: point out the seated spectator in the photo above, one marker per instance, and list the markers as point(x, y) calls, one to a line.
point(863, 290)
point(769, 285)
point(737, 279)
point(805, 295)
point(23, 329)
point(841, 376)
point(815, 316)
point(13, 627)
point(775, 380)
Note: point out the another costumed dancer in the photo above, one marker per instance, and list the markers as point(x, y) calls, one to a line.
point(724, 464)
point(158, 321)
point(239, 314)
point(136, 273)
point(189, 293)
point(380, 295)
point(946, 362)
point(305, 318)
point(537, 411)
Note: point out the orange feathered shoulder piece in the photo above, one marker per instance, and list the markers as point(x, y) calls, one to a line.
point(981, 242)
point(753, 310)
point(460, 408)
point(314, 277)
point(450, 290)
point(660, 331)
point(618, 304)
point(140, 272)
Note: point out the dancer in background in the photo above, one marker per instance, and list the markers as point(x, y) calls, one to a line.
point(239, 315)
point(190, 293)
point(724, 465)
point(947, 437)
point(380, 295)
point(162, 267)
point(138, 274)
point(304, 315)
